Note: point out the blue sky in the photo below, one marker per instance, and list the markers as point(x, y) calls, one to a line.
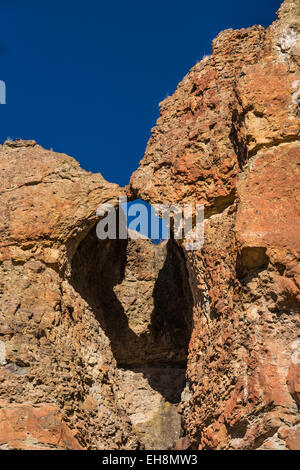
point(85, 78)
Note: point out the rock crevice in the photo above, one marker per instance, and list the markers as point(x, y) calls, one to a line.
point(123, 344)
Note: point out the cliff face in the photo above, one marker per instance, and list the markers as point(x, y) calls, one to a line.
point(57, 370)
point(96, 337)
point(92, 350)
point(229, 138)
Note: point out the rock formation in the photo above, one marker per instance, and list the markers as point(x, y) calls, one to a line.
point(96, 337)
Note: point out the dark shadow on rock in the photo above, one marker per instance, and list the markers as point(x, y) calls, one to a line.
point(161, 353)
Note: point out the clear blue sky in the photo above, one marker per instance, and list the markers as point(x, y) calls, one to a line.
point(85, 77)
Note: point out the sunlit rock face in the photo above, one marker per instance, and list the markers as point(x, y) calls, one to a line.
point(125, 344)
point(55, 359)
point(94, 333)
point(229, 138)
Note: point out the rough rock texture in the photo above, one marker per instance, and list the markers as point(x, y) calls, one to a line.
point(140, 295)
point(83, 320)
point(229, 138)
point(53, 352)
point(39, 427)
point(96, 336)
point(150, 396)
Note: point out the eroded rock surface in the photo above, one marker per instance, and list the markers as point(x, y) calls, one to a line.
point(140, 295)
point(96, 337)
point(229, 138)
point(53, 351)
point(82, 319)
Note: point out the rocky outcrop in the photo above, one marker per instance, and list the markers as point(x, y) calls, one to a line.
point(90, 343)
point(229, 138)
point(55, 358)
point(139, 294)
point(123, 344)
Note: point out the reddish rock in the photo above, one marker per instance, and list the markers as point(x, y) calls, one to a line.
point(229, 138)
point(291, 437)
point(52, 347)
point(293, 378)
point(27, 427)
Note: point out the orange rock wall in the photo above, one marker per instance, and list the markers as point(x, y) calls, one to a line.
point(229, 138)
